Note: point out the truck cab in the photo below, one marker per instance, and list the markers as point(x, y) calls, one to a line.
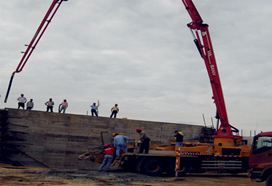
point(260, 159)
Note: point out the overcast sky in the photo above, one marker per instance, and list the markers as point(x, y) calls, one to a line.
point(140, 54)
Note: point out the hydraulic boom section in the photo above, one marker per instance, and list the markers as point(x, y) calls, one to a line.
point(36, 38)
point(204, 45)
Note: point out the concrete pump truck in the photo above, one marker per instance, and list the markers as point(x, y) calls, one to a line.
point(228, 152)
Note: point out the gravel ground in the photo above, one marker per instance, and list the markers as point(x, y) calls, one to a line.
point(19, 176)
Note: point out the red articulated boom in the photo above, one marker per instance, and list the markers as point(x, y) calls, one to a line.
point(36, 38)
point(206, 51)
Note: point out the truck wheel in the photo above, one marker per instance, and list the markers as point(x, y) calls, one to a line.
point(269, 180)
point(184, 168)
point(152, 167)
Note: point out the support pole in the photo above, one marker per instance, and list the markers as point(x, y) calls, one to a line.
point(178, 155)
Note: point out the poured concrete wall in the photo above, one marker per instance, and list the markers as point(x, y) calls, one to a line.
point(36, 138)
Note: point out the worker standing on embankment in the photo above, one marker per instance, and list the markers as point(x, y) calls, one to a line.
point(22, 100)
point(114, 111)
point(49, 105)
point(30, 105)
point(64, 106)
point(94, 107)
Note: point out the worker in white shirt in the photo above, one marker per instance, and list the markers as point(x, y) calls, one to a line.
point(30, 105)
point(22, 100)
point(49, 105)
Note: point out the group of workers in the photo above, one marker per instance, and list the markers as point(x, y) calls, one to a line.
point(49, 104)
point(120, 142)
point(63, 106)
point(22, 100)
point(94, 109)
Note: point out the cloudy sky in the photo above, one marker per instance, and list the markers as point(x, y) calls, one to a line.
point(140, 54)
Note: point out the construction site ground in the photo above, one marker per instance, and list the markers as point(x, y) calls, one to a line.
point(20, 176)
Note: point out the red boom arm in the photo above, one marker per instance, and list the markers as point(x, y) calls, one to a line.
point(206, 52)
point(36, 38)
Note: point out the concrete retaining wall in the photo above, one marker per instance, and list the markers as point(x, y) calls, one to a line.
point(36, 138)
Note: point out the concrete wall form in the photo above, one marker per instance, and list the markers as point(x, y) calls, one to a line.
point(36, 138)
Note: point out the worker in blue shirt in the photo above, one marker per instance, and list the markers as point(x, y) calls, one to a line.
point(119, 142)
point(94, 109)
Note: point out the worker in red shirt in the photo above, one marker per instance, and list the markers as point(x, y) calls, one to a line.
point(109, 152)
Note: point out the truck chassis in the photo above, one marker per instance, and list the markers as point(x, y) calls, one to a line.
point(158, 162)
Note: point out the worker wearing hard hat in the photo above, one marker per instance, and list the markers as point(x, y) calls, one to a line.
point(114, 111)
point(109, 152)
point(179, 138)
point(22, 100)
point(145, 141)
point(94, 109)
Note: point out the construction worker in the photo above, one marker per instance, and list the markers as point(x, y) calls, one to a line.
point(114, 110)
point(30, 105)
point(119, 142)
point(22, 100)
point(63, 106)
point(145, 141)
point(109, 152)
point(94, 109)
point(49, 105)
point(179, 138)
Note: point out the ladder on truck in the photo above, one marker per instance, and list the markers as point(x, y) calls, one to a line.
point(118, 161)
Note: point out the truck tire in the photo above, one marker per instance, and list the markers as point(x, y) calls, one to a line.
point(269, 180)
point(152, 167)
point(184, 168)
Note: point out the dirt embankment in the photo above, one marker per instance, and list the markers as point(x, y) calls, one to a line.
point(19, 176)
